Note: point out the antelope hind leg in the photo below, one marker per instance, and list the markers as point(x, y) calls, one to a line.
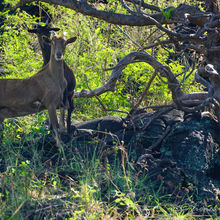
point(70, 110)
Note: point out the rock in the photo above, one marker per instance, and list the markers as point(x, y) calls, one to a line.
point(163, 173)
point(193, 145)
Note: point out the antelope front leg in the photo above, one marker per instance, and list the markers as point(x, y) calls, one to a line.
point(62, 119)
point(53, 119)
point(64, 106)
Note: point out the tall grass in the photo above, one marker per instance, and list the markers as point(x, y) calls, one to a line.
point(94, 182)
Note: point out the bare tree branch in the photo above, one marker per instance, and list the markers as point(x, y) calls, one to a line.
point(83, 7)
point(144, 94)
point(128, 8)
point(116, 73)
point(133, 41)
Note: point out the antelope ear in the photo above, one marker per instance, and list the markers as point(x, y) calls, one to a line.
point(71, 40)
point(46, 39)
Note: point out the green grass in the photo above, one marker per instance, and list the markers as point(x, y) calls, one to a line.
point(93, 183)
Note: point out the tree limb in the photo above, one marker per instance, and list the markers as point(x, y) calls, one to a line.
point(83, 7)
point(164, 71)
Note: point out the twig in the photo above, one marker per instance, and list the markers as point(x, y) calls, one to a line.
point(137, 9)
point(186, 76)
point(133, 41)
point(140, 4)
point(168, 41)
point(100, 102)
point(168, 83)
point(199, 107)
point(42, 9)
point(144, 93)
point(204, 82)
point(127, 7)
point(164, 71)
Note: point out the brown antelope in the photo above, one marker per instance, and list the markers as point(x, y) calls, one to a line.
point(44, 90)
point(68, 73)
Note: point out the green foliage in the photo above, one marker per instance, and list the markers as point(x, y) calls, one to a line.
point(17, 47)
point(167, 13)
